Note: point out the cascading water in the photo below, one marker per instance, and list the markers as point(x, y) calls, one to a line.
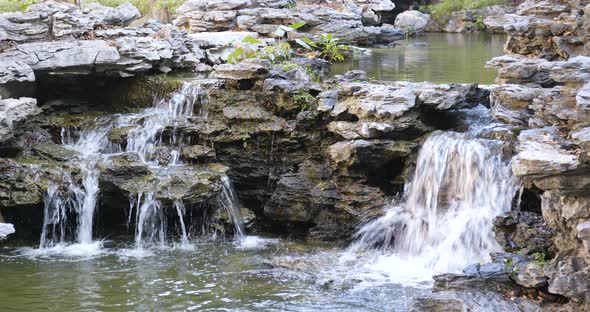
point(68, 197)
point(459, 186)
point(228, 199)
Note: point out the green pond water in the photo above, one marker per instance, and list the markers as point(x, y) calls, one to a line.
point(439, 58)
point(264, 275)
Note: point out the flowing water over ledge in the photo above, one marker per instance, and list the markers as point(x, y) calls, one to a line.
point(438, 58)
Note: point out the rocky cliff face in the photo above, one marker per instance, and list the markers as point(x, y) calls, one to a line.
point(542, 93)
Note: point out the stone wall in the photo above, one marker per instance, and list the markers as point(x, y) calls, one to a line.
point(543, 95)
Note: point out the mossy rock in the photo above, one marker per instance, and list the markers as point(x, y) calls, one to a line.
point(119, 135)
point(54, 151)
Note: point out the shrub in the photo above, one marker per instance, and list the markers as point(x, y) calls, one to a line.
point(445, 8)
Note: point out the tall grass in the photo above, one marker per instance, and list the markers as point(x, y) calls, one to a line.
point(445, 8)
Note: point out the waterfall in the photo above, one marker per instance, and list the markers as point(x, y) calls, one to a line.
point(180, 210)
point(69, 198)
point(150, 221)
point(228, 199)
point(145, 139)
point(460, 184)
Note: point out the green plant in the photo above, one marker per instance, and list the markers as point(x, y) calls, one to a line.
point(443, 9)
point(15, 5)
point(287, 66)
point(329, 47)
point(539, 258)
point(479, 23)
point(169, 5)
point(280, 51)
point(303, 99)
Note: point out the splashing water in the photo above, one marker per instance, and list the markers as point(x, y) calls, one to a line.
point(445, 224)
point(180, 210)
point(145, 139)
point(67, 198)
point(228, 199)
point(150, 222)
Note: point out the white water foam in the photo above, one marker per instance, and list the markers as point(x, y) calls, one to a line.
point(445, 222)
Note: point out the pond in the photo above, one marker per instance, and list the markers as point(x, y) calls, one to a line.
point(435, 57)
point(210, 275)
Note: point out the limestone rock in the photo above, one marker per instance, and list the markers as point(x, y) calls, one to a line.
point(484, 277)
point(13, 111)
point(531, 276)
point(15, 71)
point(198, 153)
point(247, 69)
point(413, 21)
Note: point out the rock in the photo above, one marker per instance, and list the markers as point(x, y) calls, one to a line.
point(389, 33)
point(5, 230)
point(531, 276)
point(470, 301)
point(413, 21)
point(483, 277)
point(54, 151)
point(361, 154)
point(15, 71)
point(198, 153)
point(13, 111)
point(584, 231)
point(247, 69)
point(122, 52)
point(192, 184)
point(58, 20)
point(540, 155)
point(463, 21)
point(524, 233)
point(496, 23)
point(20, 186)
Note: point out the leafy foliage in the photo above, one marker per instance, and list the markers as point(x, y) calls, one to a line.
point(443, 9)
point(15, 5)
point(329, 47)
point(303, 99)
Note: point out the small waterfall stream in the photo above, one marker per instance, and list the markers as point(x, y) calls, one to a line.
point(228, 199)
point(445, 220)
point(68, 197)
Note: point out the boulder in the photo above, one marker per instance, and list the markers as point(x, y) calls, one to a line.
point(58, 20)
point(413, 21)
point(13, 111)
